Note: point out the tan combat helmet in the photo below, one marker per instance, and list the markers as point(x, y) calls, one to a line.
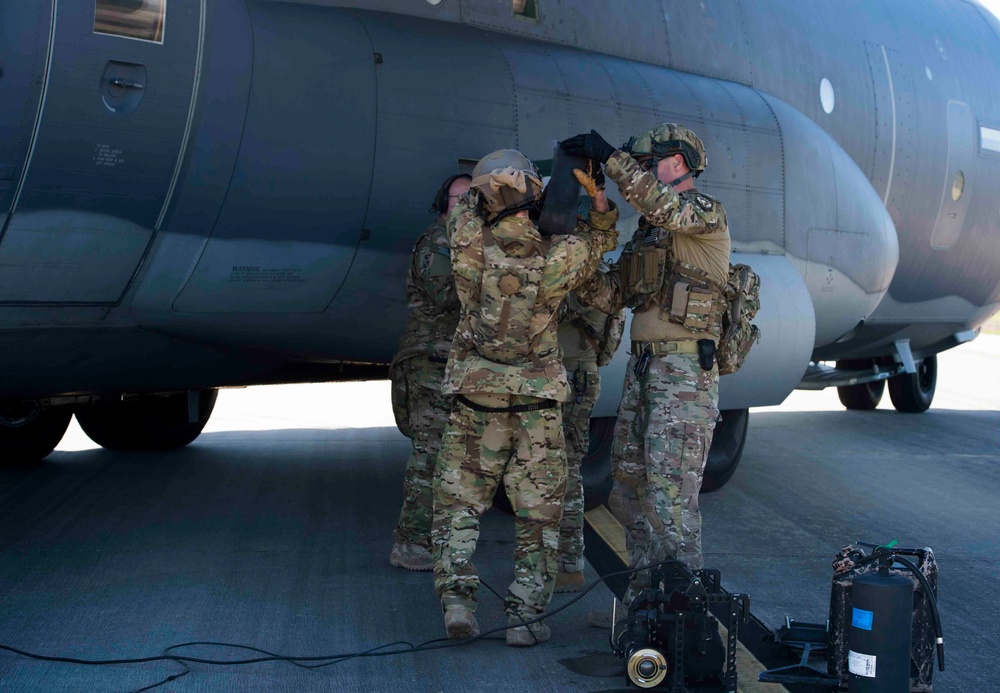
point(670, 138)
point(507, 181)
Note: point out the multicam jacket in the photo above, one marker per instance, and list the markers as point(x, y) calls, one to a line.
point(431, 297)
point(569, 260)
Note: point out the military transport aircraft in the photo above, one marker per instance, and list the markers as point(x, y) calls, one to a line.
point(197, 194)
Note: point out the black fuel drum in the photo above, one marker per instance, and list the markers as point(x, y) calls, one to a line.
point(879, 634)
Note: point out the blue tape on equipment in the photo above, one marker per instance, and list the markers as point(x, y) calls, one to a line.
point(862, 619)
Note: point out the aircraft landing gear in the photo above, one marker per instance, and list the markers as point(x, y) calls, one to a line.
point(153, 422)
point(862, 397)
point(912, 393)
point(727, 448)
point(724, 456)
point(28, 432)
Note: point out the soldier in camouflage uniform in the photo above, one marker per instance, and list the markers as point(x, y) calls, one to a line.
point(508, 379)
point(581, 337)
point(420, 364)
point(671, 274)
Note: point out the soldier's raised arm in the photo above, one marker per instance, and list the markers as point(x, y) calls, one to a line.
point(634, 168)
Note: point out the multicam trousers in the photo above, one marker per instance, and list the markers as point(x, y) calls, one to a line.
point(428, 411)
point(525, 451)
point(585, 378)
point(664, 430)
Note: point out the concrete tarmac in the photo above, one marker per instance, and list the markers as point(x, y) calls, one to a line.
point(273, 530)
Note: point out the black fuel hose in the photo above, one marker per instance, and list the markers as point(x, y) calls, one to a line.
point(933, 602)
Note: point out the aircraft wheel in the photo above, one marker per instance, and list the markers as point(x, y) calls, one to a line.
point(146, 423)
point(862, 397)
point(28, 433)
point(595, 469)
point(912, 393)
point(727, 449)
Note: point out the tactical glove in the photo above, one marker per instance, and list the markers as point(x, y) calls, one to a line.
point(591, 146)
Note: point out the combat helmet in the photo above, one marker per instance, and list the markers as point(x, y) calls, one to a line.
point(507, 182)
point(667, 139)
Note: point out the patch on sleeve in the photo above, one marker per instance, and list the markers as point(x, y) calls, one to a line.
point(704, 202)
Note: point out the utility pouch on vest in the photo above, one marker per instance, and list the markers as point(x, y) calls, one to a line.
point(642, 274)
point(689, 298)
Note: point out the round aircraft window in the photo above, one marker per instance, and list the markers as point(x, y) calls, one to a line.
point(826, 96)
point(434, 2)
point(958, 187)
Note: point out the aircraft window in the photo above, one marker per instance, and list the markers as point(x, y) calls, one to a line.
point(958, 187)
point(135, 19)
point(989, 139)
point(826, 96)
point(526, 8)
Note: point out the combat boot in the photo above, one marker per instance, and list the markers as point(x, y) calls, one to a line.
point(460, 622)
point(526, 636)
point(411, 557)
point(569, 582)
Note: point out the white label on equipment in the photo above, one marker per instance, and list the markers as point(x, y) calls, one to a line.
point(861, 664)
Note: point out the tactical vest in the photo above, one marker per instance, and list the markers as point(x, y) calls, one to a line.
point(686, 294)
point(507, 321)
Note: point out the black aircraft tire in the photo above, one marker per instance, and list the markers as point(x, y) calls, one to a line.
point(595, 469)
point(724, 456)
point(29, 434)
point(147, 423)
point(912, 393)
point(862, 397)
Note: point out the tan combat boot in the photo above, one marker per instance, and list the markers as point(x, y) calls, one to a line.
point(526, 636)
point(460, 622)
point(411, 557)
point(569, 582)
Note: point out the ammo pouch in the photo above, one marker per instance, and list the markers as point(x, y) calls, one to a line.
point(690, 298)
point(642, 274)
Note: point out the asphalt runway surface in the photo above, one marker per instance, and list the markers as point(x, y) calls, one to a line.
point(273, 529)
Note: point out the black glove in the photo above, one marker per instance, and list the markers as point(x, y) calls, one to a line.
point(591, 146)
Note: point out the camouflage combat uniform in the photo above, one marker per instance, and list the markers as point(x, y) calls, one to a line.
point(579, 328)
point(423, 354)
point(669, 408)
point(485, 442)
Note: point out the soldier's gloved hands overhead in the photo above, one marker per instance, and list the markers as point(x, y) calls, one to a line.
point(591, 146)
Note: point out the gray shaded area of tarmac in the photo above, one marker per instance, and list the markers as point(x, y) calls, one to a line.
point(276, 539)
point(273, 530)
